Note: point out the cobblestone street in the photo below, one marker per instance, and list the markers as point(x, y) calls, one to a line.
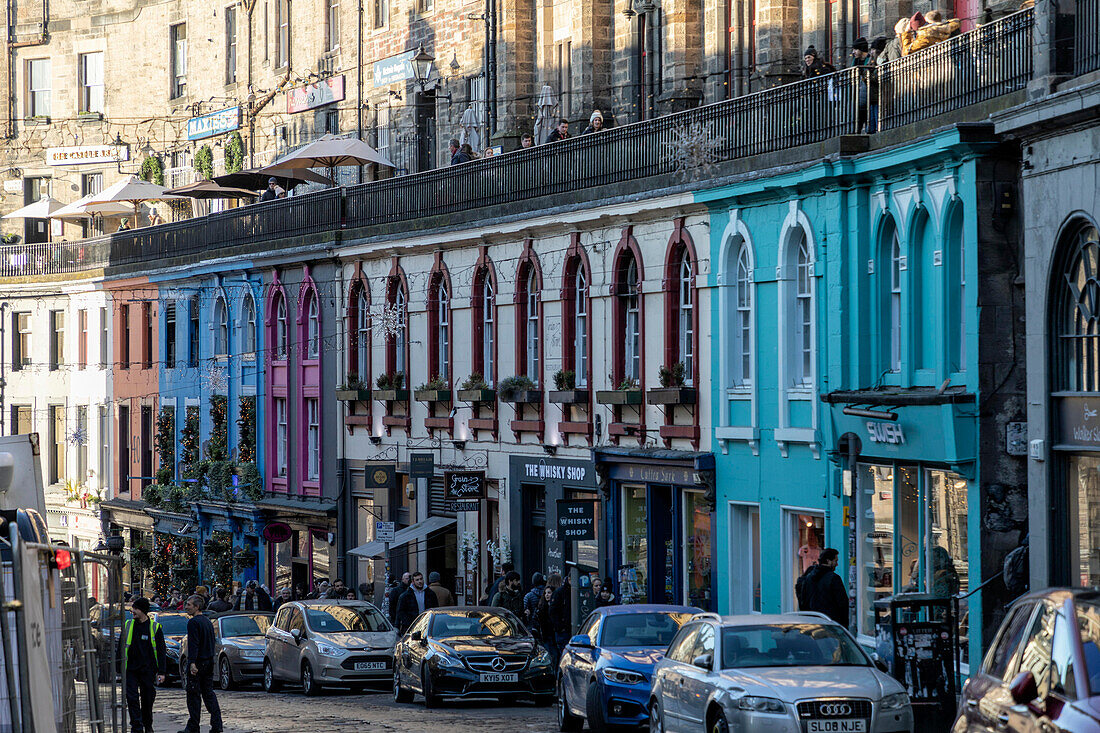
point(253, 711)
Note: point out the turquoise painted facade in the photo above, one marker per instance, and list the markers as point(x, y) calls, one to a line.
point(853, 282)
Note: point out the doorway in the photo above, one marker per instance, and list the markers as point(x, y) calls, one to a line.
point(425, 130)
point(534, 536)
point(35, 230)
point(803, 541)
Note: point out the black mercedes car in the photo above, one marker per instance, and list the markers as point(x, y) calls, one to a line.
point(471, 652)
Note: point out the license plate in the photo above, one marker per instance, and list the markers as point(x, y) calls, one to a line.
point(836, 726)
point(498, 677)
point(369, 666)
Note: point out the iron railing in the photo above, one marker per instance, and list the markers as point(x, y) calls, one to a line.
point(987, 62)
point(1086, 44)
point(53, 258)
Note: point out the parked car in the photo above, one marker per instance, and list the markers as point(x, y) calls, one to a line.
point(606, 668)
point(174, 626)
point(239, 643)
point(1042, 672)
point(477, 651)
point(327, 642)
point(786, 673)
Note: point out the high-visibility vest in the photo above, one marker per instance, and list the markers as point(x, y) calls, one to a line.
point(154, 627)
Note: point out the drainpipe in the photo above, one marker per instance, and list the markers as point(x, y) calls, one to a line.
point(491, 65)
point(359, 82)
point(843, 33)
point(3, 362)
point(344, 501)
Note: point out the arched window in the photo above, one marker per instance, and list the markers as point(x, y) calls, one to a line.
point(895, 302)
point(1077, 313)
point(397, 344)
point(741, 359)
point(532, 332)
point(528, 321)
point(362, 335)
point(799, 306)
point(248, 327)
point(484, 314)
point(628, 306)
point(281, 332)
point(221, 328)
point(575, 320)
point(686, 317)
point(443, 332)
point(954, 256)
point(313, 327)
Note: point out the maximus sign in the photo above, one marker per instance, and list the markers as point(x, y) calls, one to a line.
point(214, 123)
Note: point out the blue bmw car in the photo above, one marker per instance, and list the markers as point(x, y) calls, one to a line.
point(606, 669)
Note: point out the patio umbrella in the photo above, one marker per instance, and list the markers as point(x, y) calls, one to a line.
point(211, 190)
point(544, 123)
point(132, 190)
point(329, 151)
point(470, 125)
point(43, 208)
point(76, 210)
point(256, 178)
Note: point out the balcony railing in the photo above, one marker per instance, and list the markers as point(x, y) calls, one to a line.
point(1086, 49)
point(985, 63)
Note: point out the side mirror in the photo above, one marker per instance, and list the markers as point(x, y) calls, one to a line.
point(880, 663)
point(1025, 691)
point(297, 634)
point(581, 640)
point(703, 661)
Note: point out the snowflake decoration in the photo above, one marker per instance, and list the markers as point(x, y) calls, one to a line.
point(693, 149)
point(391, 321)
point(501, 552)
point(79, 436)
point(214, 378)
point(468, 549)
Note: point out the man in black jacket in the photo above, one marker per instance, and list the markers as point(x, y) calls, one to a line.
point(200, 669)
point(510, 594)
point(821, 589)
point(414, 601)
point(145, 656)
point(254, 598)
point(395, 596)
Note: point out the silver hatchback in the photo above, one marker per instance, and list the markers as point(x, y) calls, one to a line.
point(789, 673)
point(327, 642)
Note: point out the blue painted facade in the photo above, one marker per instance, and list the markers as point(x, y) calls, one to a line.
point(882, 249)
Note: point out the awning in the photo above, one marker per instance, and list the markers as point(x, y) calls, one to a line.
point(413, 533)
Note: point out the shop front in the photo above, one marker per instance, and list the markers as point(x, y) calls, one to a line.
point(909, 485)
point(300, 540)
point(1076, 468)
point(659, 520)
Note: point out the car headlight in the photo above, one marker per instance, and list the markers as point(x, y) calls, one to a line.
point(444, 660)
point(761, 704)
point(542, 658)
point(623, 676)
point(329, 651)
point(897, 701)
point(252, 653)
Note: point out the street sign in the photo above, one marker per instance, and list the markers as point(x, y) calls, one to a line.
point(463, 485)
point(384, 531)
point(576, 520)
point(421, 465)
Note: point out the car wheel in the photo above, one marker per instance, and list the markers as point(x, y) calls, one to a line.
point(593, 708)
point(566, 720)
point(430, 699)
point(270, 683)
point(400, 694)
point(656, 718)
point(225, 674)
point(718, 723)
point(310, 686)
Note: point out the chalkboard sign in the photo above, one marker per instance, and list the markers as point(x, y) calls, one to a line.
point(464, 485)
point(576, 520)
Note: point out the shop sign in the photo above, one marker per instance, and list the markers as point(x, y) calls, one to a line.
point(1079, 421)
point(214, 123)
point(380, 477)
point(394, 69)
point(463, 486)
point(384, 532)
point(576, 520)
point(576, 473)
point(421, 465)
point(15, 186)
point(652, 474)
point(277, 532)
point(464, 506)
point(885, 432)
point(87, 154)
point(318, 94)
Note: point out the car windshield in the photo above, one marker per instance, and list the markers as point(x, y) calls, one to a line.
point(789, 645)
point(641, 629)
point(474, 623)
point(172, 624)
point(330, 619)
point(244, 625)
point(1088, 622)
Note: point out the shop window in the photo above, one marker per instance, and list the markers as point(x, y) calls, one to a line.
point(742, 357)
point(744, 558)
point(632, 584)
point(805, 539)
point(221, 328)
point(875, 545)
point(1084, 487)
point(696, 531)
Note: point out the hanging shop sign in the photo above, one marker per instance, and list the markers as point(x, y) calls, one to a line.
point(277, 532)
point(394, 69)
point(87, 155)
point(576, 520)
point(318, 94)
point(380, 476)
point(421, 465)
point(214, 123)
point(464, 486)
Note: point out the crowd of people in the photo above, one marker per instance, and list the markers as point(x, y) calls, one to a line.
point(254, 596)
point(461, 152)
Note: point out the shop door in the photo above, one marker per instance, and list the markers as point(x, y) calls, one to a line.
point(803, 541)
point(442, 556)
point(664, 559)
point(534, 536)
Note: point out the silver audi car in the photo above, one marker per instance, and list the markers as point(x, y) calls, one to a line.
point(788, 673)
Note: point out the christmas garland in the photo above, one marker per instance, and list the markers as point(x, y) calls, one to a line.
point(152, 170)
point(185, 563)
point(166, 445)
point(189, 440)
point(217, 554)
point(246, 429)
point(217, 448)
point(204, 162)
point(160, 573)
point(234, 153)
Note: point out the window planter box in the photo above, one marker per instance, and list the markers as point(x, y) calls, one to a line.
point(619, 397)
point(478, 396)
point(522, 396)
point(432, 395)
point(391, 395)
point(673, 396)
point(569, 396)
point(353, 395)
point(89, 116)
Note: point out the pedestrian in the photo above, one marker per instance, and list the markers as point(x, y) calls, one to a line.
point(892, 50)
point(300, 592)
point(595, 123)
point(441, 594)
point(338, 590)
point(458, 155)
point(203, 592)
point(350, 595)
point(821, 589)
point(175, 599)
point(560, 132)
point(505, 568)
point(254, 598)
point(526, 140)
point(489, 152)
point(510, 594)
point(366, 591)
point(154, 218)
point(270, 193)
point(867, 119)
point(124, 225)
point(219, 604)
point(200, 669)
point(545, 623)
point(531, 601)
point(414, 601)
point(815, 66)
point(560, 609)
point(282, 597)
point(601, 593)
point(145, 659)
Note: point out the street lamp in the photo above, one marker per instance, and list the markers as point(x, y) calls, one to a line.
point(422, 66)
